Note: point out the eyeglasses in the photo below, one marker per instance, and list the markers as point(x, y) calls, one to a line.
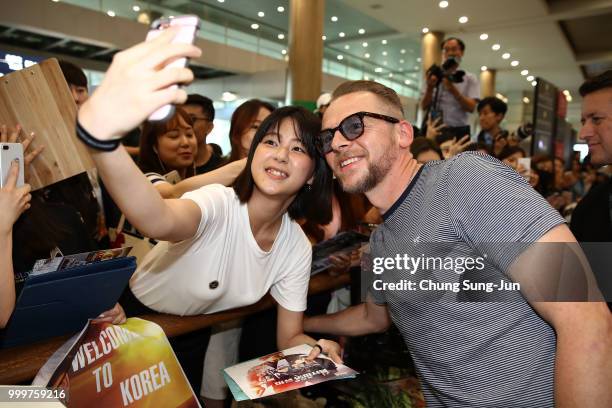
point(350, 127)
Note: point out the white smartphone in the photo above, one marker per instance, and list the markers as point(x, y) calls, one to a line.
point(525, 163)
point(189, 25)
point(8, 153)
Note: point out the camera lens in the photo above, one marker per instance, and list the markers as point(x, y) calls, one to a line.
point(5, 147)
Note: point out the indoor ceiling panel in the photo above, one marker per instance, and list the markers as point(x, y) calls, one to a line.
point(590, 34)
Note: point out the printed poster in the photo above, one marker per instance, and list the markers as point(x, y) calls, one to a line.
point(128, 365)
point(284, 371)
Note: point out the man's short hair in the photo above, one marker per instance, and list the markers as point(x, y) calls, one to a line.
point(497, 105)
point(385, 93)
point(601, 81)
point(73, 74)
point(205, 103)
point(461, 43)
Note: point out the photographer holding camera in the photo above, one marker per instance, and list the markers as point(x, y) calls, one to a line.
point(451, 93)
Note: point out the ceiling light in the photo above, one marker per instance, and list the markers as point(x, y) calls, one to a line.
point(483, 68)
point(534, 83)
point(530, 78)
point(361, 31)
point(111, 13)
point(390, 74)
point(384, 42)
point(401, 61)
point(55, 1)
point(136, 8)
point(419, 59)
point(367, 55)
point(407, 82)
point(324, 37)
point(254, 26)
point(499, 96)
point(334, 18)
point(340, 57)
point(484, 36)
point(524, 72)
point(281, 36)
point(463, 19)
point(401, 70)
point(347, 47)
point(221, 1)
point(506, 55)
point(170, 16)
point(341, 34)
point(284, 52)
point(261, 14)
point(378, 69)
point(385, 63)
point(566, 92)
point(367, 78)
point(384, 53)
point(403, 51)
point(495, 47)
point(228, 96)
point(514, 63)
point(525, 99)
point(568, 98)
point(443, 4)
point(425, 30)
point(280, 9)
point(416, 67)
point(365, 44)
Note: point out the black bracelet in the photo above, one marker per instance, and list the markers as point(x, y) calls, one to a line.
point(89, 140)
point(319, 346)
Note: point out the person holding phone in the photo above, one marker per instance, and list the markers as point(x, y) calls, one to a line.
point(221, 247)
point(451, 94)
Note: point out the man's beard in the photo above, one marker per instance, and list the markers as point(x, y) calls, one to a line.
point(376, 173)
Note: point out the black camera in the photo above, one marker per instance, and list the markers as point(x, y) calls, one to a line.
point(445, 71)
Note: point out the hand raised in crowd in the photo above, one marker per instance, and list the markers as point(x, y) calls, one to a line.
point(456, 147)
point(434, 128)
point(328, 347)
point(13, 200)
point(137, 79)
point(12, 135)
point(432, 80)
point(116, 315)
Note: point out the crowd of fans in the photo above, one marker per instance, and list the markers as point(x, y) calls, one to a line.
point(175, 158)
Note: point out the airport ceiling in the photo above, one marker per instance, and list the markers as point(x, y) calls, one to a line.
point(563, 41)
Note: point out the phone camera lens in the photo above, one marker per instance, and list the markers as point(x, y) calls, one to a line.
point(5, 147)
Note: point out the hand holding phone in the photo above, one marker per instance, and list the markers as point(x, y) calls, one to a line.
point(135, 85)
point(10, 152)
point(523, 167)
point(14, 199)
point(188, 26)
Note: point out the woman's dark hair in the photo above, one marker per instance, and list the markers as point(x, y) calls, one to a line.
point(242, 118)
point(148, 159)
point(422, 145)
point(353, 209)
point(508, 151)
point(314, 203)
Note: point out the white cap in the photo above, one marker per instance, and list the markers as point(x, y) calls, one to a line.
point(323, 99)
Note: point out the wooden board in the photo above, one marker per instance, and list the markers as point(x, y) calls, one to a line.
point(38, 99)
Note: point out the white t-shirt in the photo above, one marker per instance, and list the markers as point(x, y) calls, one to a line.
point(222, 266)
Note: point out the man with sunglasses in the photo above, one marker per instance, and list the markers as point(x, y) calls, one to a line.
point(470, 350)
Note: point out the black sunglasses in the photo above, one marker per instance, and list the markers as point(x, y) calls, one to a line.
point(350, 127)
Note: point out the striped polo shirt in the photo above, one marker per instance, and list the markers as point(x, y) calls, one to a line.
point(471, 354)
